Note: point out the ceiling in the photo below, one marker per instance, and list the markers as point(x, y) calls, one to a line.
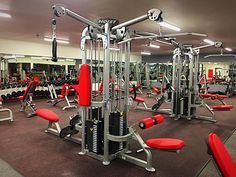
point(31, 20)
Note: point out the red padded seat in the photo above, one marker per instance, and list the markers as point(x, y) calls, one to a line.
point(205, 95)
point(221, 96)
point(220, 107)
point(138, 99)
point(61, 96)
point(75, 87)
point(131, 89)
point(156, 90)
point(165, 143)
point(221, 155)
point(47, 114)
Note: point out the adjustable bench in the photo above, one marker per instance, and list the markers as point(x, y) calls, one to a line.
point(164, 144)
point(221, 156)
point(223, 107)
point(137, 87)
point(10, 118)
point(65, 90)
point(54, 126)
point(26, 98)
point(167, 144)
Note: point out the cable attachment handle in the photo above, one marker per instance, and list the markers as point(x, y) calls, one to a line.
point(54, 41)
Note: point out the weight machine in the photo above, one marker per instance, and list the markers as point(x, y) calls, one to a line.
point(104, 119)
point(10, 117)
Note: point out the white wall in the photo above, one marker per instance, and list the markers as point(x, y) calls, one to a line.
point(213, 65)
point(40, 49)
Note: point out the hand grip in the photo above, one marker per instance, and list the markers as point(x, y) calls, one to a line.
point(54, 50)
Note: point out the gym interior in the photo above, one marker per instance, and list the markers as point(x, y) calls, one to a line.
point(117, 88)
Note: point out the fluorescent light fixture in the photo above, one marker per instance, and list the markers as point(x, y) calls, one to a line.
point(13, 56)
point(58, 40)
point(215, 63)
point(169, 26)
point(209, 41)
point(5, 15)
point(70, 60)
point(61, 60)
point(154, 46)
point(37, 58)
point(114, 49)
point(209, 62)
point(145, 53)
point(228, 49)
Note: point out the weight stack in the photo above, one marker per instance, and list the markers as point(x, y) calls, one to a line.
point(94, 136)
point(117, 127)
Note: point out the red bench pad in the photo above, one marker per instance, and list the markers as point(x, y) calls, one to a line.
point(165, 143)
point(138, 99)
point(221, 96)
point(156, 90)
point(47, 114)
point(221, 155)
point(219, 107)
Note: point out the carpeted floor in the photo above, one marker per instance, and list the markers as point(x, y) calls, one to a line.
point(33, 153)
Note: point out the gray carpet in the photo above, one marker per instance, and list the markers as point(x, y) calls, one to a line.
point(210, 169)
point(7, 171)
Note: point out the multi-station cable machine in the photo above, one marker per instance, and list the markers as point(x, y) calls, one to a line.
point(104, 123)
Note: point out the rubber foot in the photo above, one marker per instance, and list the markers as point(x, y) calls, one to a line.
point(106, 163)
point(151, 169)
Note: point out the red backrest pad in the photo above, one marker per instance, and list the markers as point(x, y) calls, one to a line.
point(34, 82)
point(64, 91)
point(221, 155)
point(85, 85)
point(210, 73)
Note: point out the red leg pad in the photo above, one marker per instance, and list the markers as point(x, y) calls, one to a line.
point(165, 143)
point(47, 114)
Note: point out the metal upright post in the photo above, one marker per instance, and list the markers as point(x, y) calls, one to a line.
point(106, 75)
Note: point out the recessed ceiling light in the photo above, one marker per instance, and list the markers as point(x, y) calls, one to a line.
point(5, 15)
point(228, 49)
point(145, 53)
point(209, 41)
point(170, 26)
point(58, 40)
point(154, 46)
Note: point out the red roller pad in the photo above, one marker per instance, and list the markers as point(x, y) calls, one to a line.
point(165, 143)
point(221, 155)
point(47, 114)
point(146, 123)
point(85, 86)
point(219, 107)
point(156, 90)
point(159, 118)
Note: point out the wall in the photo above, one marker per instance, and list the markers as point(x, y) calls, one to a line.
point(213, 65)
point(41, 49)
